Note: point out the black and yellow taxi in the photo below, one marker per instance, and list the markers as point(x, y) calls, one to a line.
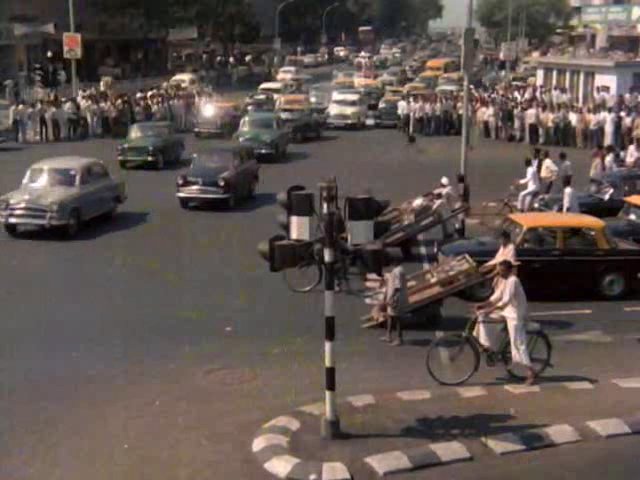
point(568, 253)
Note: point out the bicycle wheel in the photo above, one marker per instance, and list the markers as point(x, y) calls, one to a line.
point(539, 347)
point(452, 359)
point(304, 277)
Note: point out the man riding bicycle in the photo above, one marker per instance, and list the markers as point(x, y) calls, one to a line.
point(507, 304)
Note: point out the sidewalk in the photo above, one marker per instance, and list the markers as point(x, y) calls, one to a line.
point(416, 429)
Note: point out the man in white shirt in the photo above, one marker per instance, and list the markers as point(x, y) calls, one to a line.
point(403, 114)
point(632, 156)
point(569, 198)
point(532, 182)
point(396, 300)
point(548, 172)
point(610, 159)
point(508, 304)
point(532, 119)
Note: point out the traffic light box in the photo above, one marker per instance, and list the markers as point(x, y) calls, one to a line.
point(298, 219)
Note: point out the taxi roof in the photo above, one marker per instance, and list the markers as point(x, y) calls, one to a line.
point(633, 200)
point(440, 62)
point(295, 98)
point(557, 220)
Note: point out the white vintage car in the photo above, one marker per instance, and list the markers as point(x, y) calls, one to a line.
point(61, 192)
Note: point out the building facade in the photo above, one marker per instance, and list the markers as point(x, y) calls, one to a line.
point(607, 24)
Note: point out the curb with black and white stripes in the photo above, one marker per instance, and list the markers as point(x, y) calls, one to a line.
point(271, 443)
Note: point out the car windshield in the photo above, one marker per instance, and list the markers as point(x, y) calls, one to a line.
point(257, 124)
point(514, 229)
point(631, 212)
point(50, 177)
point(346, 103)
point(148, 130)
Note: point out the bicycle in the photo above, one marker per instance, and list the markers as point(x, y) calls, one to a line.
point(454, 358)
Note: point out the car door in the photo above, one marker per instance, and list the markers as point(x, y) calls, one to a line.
point(89, 199)
point(539, 254)
point(581, 254)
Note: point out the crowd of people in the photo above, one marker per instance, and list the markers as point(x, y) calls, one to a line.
point(99, 113)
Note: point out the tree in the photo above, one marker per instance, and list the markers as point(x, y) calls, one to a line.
point(542, 17)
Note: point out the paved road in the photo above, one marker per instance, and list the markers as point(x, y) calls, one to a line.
point(154, 345)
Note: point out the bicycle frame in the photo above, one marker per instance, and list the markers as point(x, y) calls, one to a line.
point(505, 343)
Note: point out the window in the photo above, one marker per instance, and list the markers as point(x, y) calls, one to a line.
point(97, 172)
point(540, 239)
point(561, 78)
point(580, 238)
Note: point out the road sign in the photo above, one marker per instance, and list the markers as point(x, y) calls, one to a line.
point(72, 46)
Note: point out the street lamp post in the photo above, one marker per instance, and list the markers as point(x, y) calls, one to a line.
point(74, 73)
point(324, 21)
point(277, 27)
point(466, 54)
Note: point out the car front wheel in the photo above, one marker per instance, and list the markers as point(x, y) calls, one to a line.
point(12, 230)
point(73, 225)
point(612, 285)
point(184, 203)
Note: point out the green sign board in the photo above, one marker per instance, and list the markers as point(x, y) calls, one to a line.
point(609, 14)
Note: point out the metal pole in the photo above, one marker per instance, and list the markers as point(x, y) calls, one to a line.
point(74, 71)
point(330, 427)
point(465, 104)
point(277, 28)
point(324, 21)
point(508, 59)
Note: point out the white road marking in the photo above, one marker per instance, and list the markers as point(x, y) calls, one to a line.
point(469, 392)
point(410, 395)
point(314, 409)
point(284, 421)
point(627, 382)
point(504, 443)
point(609, 427)
point(561, 312)
point(450, 451)
point(560, 434)
point(579, 385)
point(335, 471)
point(592, 336)
point(361, 400)
point(281, 465)
point(267, 440)
point(518, 389)
point(394, 461)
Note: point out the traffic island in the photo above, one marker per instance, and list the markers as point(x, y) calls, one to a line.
point(409, 430)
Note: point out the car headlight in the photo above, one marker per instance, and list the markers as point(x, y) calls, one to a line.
point(208, 110)
point(54, 207)
point(222, 182)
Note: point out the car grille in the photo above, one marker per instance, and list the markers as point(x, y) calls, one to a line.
point(137, 151)
point(28, 211)
point(341, 117)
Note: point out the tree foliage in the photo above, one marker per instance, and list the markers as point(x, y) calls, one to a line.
point(542, 17)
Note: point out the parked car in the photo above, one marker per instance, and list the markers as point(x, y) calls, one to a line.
point(296, 114)
point(217, 117)
point(627, 224)
point(560, 252)
point(348, 108)
point(62, 193)
point(221, 176)
point(154, 143)
point(265, 133)
point(604, 199)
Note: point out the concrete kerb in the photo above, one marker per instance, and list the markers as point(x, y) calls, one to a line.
point(272, 442)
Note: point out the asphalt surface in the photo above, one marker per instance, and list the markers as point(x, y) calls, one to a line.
point(155, 344)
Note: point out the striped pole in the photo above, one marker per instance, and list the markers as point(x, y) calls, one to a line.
point(330, 422)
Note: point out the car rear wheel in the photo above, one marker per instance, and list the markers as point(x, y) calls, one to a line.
point(184, 203)
point(12, 230)
point(73, 225)
point(612, 285)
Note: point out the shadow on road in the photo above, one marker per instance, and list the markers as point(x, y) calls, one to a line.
point(442, 428)
point(296, 157)
point(121, 221)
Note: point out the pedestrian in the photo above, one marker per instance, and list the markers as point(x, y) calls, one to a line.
point(548, 173)
point(507, 305)
point(565, 168)
point(43, 127)
point(597, 169)
point(403, 114)
point(610, 159)
point(396, 300)
point(569, 197)
point(632, 155)
point(532, 182)
point(532, 120)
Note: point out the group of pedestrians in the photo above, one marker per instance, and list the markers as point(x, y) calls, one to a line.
point(431, 115)
point(99, 113)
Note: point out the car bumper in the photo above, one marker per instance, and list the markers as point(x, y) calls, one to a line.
point(332, 122)
point(137, 159)
point(48, 222)
point(386, 123)
point(210, 129)
point(203, 196)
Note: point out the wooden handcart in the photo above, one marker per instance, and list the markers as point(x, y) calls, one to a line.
point(450, 276)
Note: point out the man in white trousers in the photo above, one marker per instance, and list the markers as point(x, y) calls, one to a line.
point(507, 304)
point(532, 182)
